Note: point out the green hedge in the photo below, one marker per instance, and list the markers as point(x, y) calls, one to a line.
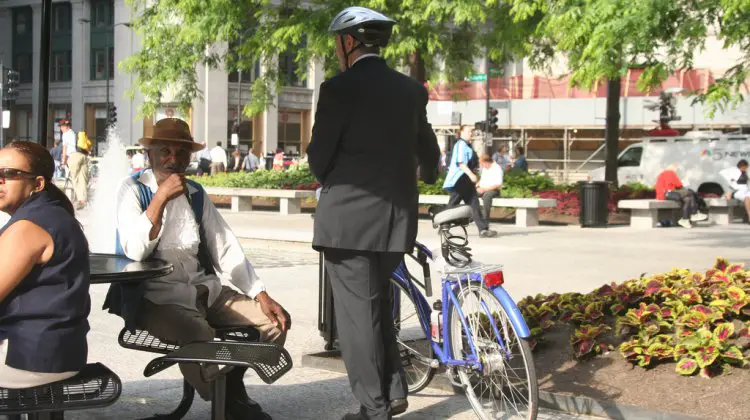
point(295, 178)
point(517, 183)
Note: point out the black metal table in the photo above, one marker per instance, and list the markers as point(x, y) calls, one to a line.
point(109, 268)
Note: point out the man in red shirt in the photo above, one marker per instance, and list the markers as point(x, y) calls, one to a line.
point(669, 187)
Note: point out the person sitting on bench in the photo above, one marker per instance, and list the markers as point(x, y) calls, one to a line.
point(44, 285)
point(737, 178)
point(161, 214)
point(669, 187)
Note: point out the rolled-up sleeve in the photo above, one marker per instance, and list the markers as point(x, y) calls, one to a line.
point(133, 226)
point(227, 253)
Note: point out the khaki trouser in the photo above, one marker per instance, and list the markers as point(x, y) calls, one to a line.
point(217, 168)
point(16, 378)
point(180, 325)
point(79, 173)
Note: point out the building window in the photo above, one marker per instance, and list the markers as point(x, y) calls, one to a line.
point(103, 13)
point(22, 64)
point(61, 19)
point(99, 62)
point(248, 76)
point(22, 24)
point(290, 132)
point(61, 67)
point(288, 70)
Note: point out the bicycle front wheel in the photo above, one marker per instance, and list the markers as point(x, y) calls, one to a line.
point(506, 386)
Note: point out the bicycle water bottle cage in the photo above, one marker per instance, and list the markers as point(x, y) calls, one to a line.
point(453, 246)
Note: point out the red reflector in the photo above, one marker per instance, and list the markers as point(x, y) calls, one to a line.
point(494, 279)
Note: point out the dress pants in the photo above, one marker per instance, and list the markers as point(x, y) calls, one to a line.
point(360, 282)
point(465, 191)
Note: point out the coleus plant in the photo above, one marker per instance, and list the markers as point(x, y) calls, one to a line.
point(700, 320)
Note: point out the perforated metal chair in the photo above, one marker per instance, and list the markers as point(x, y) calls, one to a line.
point(94, 387)
point(269, 361)
point(141, 340)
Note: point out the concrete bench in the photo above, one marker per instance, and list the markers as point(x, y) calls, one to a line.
point(646, 214)
point(290, 201)
point(724, 212)
point(527, 209)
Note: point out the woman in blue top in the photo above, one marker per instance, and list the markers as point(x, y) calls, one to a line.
point(44, 283)
point(461, 181)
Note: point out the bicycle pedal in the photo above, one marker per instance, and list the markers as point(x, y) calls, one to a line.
point(405, 358)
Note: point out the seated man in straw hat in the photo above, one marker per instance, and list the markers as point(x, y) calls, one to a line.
point(157, 216)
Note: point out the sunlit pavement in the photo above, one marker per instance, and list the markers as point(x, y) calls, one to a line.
point(542, 259)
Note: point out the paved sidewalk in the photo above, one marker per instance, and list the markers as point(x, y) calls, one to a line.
point(548, 259)
point(537, 260)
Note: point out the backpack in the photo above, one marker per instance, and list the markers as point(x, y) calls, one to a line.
point(473, 162)
point(124, 299)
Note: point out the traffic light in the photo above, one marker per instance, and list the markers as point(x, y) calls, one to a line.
point(492, 118)
point(112, 115)
point(11, 85)
point(480, 125)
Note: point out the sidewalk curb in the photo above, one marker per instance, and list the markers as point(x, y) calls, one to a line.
point(331, 361)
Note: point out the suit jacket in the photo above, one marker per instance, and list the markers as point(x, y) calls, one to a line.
point(370, 135)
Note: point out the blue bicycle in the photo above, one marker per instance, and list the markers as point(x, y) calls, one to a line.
point(483, 345)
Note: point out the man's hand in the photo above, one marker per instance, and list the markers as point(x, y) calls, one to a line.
point(275, 312)
point(171, 188)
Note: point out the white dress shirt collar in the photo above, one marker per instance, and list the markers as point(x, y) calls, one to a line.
point(364, 56)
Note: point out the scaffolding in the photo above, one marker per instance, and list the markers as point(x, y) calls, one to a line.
point(566, 154)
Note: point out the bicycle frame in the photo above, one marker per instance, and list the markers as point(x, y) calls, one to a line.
point(443, 352)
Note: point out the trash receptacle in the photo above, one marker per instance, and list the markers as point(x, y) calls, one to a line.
point(326, 320)
point(594, 200)
point(269, 162)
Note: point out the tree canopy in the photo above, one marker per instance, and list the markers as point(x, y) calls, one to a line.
point(436, 40)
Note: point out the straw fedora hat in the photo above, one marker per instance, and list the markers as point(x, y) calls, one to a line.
point(172, 130)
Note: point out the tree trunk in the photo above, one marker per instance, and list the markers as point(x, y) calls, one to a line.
point(612, 130)
point(416, 67)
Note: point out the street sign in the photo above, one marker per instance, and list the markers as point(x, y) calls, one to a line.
point(481, 77)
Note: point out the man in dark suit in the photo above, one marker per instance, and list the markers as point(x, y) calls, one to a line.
point(370, 135)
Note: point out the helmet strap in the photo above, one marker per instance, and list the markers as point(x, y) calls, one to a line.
point(348, 53)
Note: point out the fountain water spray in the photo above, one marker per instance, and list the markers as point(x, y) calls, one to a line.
point(113, 168)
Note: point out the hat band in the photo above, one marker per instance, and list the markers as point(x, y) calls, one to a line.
point(171, 134)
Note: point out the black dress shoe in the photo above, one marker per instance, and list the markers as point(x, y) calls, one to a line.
point(399, 406)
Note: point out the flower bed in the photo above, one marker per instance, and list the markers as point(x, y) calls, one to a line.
point(699, 321)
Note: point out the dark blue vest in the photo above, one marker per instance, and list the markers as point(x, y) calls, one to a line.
point(124, 299)
point(45, 317)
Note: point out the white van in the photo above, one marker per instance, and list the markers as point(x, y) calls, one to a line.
point(699, 155)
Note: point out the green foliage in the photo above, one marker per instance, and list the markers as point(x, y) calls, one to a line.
point(698, 320)
point(602, 39)
point(176, 33)
point(296, 177)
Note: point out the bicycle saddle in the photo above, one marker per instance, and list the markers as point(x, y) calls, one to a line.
point(459, 215)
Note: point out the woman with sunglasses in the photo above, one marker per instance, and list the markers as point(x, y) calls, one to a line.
point(44, 281)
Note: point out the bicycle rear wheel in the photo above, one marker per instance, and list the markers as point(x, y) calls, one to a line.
point(415, 348)
point(506, 387)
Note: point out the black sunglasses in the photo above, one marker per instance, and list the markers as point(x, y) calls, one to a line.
point(14, 174)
